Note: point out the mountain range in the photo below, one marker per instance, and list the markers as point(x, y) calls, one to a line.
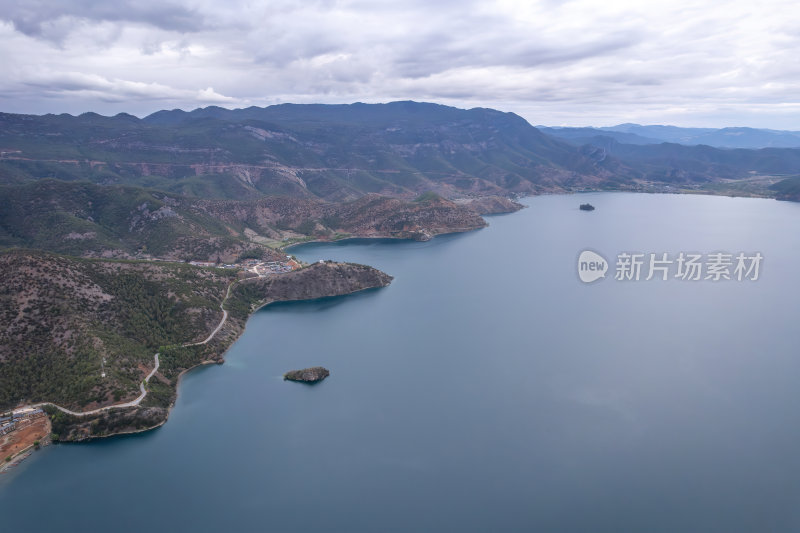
point(330, 152)
point(339, 153)
point(751, 138)
point(168, 185)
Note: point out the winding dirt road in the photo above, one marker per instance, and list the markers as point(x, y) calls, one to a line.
point(132, 403)
point(138, 400)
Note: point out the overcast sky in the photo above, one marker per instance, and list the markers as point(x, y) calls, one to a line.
point(557, 63)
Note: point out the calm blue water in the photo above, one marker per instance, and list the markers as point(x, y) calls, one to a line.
point(486, 389)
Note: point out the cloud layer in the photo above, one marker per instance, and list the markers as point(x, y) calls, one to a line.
point(578, 63)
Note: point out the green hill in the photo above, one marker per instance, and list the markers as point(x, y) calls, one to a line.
point(788, 189)
point(68, 320)
point(330, 152)
point(85, 219)
point(79, 218)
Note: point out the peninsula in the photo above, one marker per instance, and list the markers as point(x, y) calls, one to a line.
point(121, 313)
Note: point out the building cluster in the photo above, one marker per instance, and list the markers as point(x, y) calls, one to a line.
point(275, 267)
point(11, 421)
point(215, 265)
point(256, 266)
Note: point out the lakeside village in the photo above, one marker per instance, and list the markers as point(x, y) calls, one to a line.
point(255, 266)
point(19, 419)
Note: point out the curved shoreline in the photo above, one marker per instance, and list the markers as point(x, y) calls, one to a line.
point(379, 238)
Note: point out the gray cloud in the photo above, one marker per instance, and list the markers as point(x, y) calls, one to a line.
point(577, 62)
point(117, 90)
point(36, 17)
point(438, 53)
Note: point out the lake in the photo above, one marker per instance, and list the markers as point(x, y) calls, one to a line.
point(486, 389)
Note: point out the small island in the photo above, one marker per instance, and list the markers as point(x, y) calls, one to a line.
point(587, 207)
point(307, 375)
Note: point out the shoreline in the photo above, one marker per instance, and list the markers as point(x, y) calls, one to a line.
point(456, 231)
point(16, 459)
point(24, 453)
point(207, 362)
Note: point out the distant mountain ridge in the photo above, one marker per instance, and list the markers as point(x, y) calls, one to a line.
point(732, 137)
point(374, 115)
point(332, 152)
point(340, 153)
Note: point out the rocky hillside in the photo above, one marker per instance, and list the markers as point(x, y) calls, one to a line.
point(318, 280)
point(491, 205)
point(335, 153)
point(89, 220)
point(339, 153)
point(787, 189)
point(426, 216)
point(678, 164)
point(369, 216)
point(82, 333)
